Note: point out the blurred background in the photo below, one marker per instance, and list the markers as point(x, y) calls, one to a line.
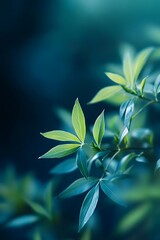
point(51, 53)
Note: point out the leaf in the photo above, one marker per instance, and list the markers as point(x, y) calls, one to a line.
point(156, 88)
point(37, 236)
point(88, 206)
point(23, 220)
point(140, 61)
point(48, 196)
point(106, 93)
point(125, 161)
point(99, 129)
point(116, 78)
point(123, 108)
point(60, 136)
point(119, 98)
point(157, 165)
point(65, 167)
point(81, 160)
point(128, 68)
point(61, 151)
point(38, 209)
point(128, 114)
point(78, 187)
point(133, 218)
point(123, 133)
point(108, 189)
point(142, 85)
point(78, 121)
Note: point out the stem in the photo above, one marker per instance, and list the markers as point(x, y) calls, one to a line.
point(141, 109)
point(114, 155)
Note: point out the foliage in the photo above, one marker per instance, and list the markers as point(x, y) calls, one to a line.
point(110, 161)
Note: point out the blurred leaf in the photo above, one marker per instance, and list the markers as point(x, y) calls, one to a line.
point(60, 136)
point(123, 133)
point(140, 61)
point(106, 93)
point(108, 188)
point(78, 121)
point(157, 165)
point(65, 167)
point(88, 206)
point(128, 114)
point(61, 151)
point(116, 78)
point(133, 218)
point(156, 88)
point(142, 85)
point(125, 161)
point(81, 160)
point(86, 235)
point(37, 236)
point(38, 209)
point(79, 186)
point(48, 196)
point(23, 220)
point(128, 68)
point(99, 129)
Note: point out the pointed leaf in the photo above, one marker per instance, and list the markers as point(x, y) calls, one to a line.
point(157, 85)
point(123, 133)
point(128, 114)
point(125, 161)
point(23, 220)
point(65, 167)
point(38, 208)
point(99, 129)
point(140, 61)
point(108, 188)
point(78, 187)
point(61, 151)
point(128, 68)
point(123, 108)
point(78, 121)
point(88, 206)
point(106, 93)
point(142, 85)
point(60, 136)
point(116, 78)
point(81, 160)
point(133, 218)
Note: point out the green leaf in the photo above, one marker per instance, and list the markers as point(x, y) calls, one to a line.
point(81, 160)
point(37, 236)
point(61, 151)
point(78, 121)
point(65, 167)
point(123, 133)
point(48, 196)
point(116, 78)
point(99, 129)
point(38, 209)
point(140, 61)
point(128, 68)
point(23, 220)
point(78, 187)
point(88, 206)
point(60, 136)
point(133, 218)
point(119, 98)
point(106, 93)
point(142, 85)
point(109, 189)
point(128, 114)
point(125, 161)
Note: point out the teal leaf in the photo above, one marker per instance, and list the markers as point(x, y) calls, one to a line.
point(140, 61)
point(109, 189)
point(128, 68)
point(123, 108)
point(78, 121)
point(38, 209)
point(61, 151)
point(88, 206)
point(125, 161)
point(133, 218)
point(156, 88)
point(116, 78)
point(157, 165)
point(99, 129)
point(65, 167)
point(106, 93)
point(128, 114)
point(81, 160)
point(23, 220)
point(123, 133)
point(78, 187)
point(60, 136)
